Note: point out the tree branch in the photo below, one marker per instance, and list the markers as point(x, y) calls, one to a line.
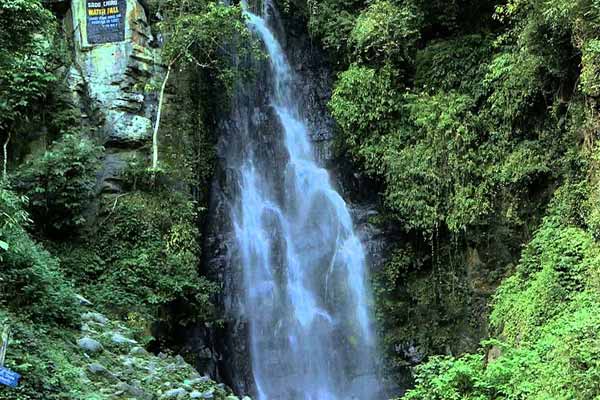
point(5, 156)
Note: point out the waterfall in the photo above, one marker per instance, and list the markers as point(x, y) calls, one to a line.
point(304, 273)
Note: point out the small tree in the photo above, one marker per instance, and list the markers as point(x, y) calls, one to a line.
point(202, 35)
point(25, 51)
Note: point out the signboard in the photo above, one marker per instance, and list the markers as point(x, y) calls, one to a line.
point(9, 378)
point(105, 20)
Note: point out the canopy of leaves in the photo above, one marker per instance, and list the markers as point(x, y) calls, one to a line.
point(60, 184)
point(469, 131)
point(466, 119)
point(386, 32)
point(206, 35)
point(365, 122)
point(25, 52)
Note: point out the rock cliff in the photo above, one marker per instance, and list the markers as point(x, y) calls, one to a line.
point(114, 84)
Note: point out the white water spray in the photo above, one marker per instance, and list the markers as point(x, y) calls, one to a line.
point(304, 268)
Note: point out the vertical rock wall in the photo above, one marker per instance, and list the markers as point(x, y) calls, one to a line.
point(114, 83)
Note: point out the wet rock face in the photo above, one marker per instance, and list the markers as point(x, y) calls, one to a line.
point(314, 85)
point(249, 126)
point(109, 80)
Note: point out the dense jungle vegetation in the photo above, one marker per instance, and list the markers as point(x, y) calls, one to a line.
point(65, 247)
point(476, 121)
point(473, 122)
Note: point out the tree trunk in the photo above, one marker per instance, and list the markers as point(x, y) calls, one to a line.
point(4, 338)
point(157, 124)
point(5, 157)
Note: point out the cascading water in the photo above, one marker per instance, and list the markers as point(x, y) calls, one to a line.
point(305, 292)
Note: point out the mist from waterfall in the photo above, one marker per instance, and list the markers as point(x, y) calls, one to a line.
point(304, 268)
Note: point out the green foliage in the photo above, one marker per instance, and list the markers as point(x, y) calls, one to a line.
point(388, 29)
point(515, 85)
point(554, 269)
point(433, 170)
point(143, 258)
point(386, 32)
point(366, 106)
point(200, 34)
point(453, 64)
point(472, 132)
point(30, 279)
point(590, 75)
point(466, 143)
point(442, 157)
point(445, 378)
point(60, 184)
point(547, 314)
point(25, 52)
point(332, 21)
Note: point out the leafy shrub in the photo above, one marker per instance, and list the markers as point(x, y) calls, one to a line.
point(453, 64)
point(554, 268)
point(30, 278)
point(433, 171)
point(444, 378)
point(143, 257)
point(332, 21)
point(515, 85)
point(367, 106)
point(25, 50)
point(386, 32)
point(547, 315)
point(60, 184)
